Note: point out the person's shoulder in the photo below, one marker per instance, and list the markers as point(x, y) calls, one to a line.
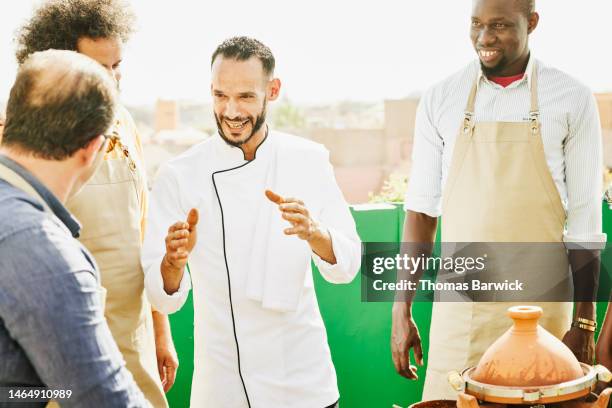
point(561, 80)
point(201, 152)
point(122, 113)
point(460, 79)
point(45, 247)
point(195, 152)
point(19, 210)
point(123, 119)
point(26, 225)
point(289, 142)
point(42, 261)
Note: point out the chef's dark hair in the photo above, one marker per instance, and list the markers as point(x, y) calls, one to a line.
point(243, 48)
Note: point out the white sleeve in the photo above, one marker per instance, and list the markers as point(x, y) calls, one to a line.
point(583, 173)
point(337, 219)
point(424, 193)
point(164, 210)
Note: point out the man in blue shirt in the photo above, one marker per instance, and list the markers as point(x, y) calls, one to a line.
point(52, 329)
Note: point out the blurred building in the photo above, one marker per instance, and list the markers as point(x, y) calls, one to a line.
point(364, 152)
point(168, 138)
point(364, 158)
point(166, 115)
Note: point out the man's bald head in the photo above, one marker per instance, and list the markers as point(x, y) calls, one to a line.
point(60, 101)
point(525, 6)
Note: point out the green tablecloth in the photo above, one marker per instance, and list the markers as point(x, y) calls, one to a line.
point(358, 333)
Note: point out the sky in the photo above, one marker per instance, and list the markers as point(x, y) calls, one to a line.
point(330, 50)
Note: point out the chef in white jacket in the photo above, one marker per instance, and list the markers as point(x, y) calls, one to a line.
point(250, 208)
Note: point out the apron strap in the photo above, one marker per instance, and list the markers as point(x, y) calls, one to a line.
point(10, 176)
point(534, 111)
point(19, 182)
point(468, 119)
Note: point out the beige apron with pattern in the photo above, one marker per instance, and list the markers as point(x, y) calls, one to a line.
point(499, 189)
point(110, 208)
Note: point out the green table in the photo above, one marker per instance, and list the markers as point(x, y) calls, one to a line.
point(358, 333)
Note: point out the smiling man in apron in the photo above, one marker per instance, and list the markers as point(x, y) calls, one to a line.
point(112, 206)
point(506, 150)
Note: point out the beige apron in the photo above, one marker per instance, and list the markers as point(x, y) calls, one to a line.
point(499, 189)
point(111, 209)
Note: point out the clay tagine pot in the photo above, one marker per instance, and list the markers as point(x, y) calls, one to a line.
point(527, 355)
point(529, 366)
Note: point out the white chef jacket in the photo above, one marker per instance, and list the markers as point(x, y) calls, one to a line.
point(276, 358)
point(571, 134)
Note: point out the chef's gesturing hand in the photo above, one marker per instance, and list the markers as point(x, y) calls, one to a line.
point(294, 211)
point(181, 239)
point(302, 225)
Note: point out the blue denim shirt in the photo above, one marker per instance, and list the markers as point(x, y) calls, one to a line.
point(52, 327)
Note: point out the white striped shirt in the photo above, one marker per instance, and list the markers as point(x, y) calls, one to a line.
point(571, 134)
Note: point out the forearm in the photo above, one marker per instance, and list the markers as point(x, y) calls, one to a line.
point(585, 266)
point(321, 244)
point(171, 276)
point(605, 336)
point(161, 327)
point(162, 301)
point(417, 240)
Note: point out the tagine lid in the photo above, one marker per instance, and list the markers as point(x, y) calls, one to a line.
point(527, 355)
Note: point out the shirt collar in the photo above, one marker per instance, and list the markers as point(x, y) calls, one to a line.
point(50, 199)
point(527, 77)
point(236, 154)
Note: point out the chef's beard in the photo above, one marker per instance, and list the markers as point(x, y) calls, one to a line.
point(257, 125)
point(494, 71)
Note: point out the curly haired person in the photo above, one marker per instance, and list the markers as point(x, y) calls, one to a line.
point(112, 206)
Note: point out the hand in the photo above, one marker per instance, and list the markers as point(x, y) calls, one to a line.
point(603, 350)
point(582, 344)
point(294, 211)
point(405, 336)
point(167, 363)
point(181, 239)
point(603, 354)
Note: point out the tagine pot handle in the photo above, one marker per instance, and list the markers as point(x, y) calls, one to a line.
point(468, 401)
point(603, 374)
point(456, 381)
point(525, 317)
